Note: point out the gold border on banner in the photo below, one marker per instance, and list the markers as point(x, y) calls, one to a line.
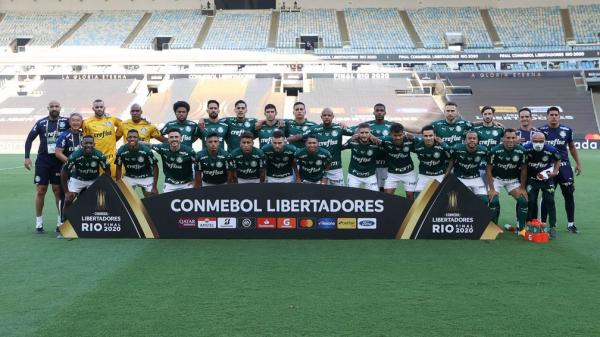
point(67, 231)
point(416, 210)
point(491, 232)
point(138, 209)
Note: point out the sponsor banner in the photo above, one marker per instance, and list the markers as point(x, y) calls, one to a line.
point(443, 211)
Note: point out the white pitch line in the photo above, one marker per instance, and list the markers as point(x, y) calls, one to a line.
point(11, 168)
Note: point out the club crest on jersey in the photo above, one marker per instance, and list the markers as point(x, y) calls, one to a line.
point(515, 158)
point(495, 133)
point(436, 155)
point(93, 164)
point(334, 133)
point(188, 129)
point(247, 124)
point(477, 159)
point(61, 124)
point(562, 134)
point(109, 124)
point(140, 159)
point(179, 160)
point(304, 128)
point(318, 162)
point(253, 163)
point(220, 129)
point(458, 128)
point(385, 132)
point(285, 158)
point(219, 164)
point(545, 158)
point(144, 130)
point(370, 153)
point(406, 149)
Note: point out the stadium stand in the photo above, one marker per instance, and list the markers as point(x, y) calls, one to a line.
point(321, 22)
point(239, 30)
point(44, 28)
point(528, 27)
point(432, 23)
point(107, 28)
point(366, 31)
point(182, 25)
point(586, 22)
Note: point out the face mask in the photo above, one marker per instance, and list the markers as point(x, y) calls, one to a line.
point(538, 146)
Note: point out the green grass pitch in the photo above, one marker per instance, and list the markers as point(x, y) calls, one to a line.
point(507, 287)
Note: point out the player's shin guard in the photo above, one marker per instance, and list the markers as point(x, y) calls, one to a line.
point(495, 207)
point(522, 211)
point(567, 192)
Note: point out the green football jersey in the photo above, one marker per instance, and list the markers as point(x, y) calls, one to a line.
point(236, 129)
point(379, 130)
point(293, 128)
point(506, 164)
point(214, 168)
point(279, 164)
point(138, 162)
point(312, 166)
point(221, 128)
point(362, 158)
point(177, 165)
point(247, 166)
point(489, 136)
point(451, 133)
point(398, 156)
point(265, 133)
point(330, 139)
point(467, 163)
point(84, 167)
point(189, 131)
point(433, 160)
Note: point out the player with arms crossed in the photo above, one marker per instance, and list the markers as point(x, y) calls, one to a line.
point(213, 166)
point(177, 160)
point(146, 130)
point(188, 130)
point(543, 164)
point(212, 124)
point(266, 127)
point(380, 128)
point(364, 149)
point(506, 168)
point(238, 126)
point(281, 164)
point(401, 169)
point(313, 162)
point(433, 159)
point(104, 130)
point(466, 161)
point(141, 167)
point(248, 162)
point(295, 128)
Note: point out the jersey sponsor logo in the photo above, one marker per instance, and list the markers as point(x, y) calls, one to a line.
point(269, 223)
point(286, 223)
point(247, 223)
point(346, 223)
point(367, 223)
point(209, 222)
point(326, 223)
point(227, 223)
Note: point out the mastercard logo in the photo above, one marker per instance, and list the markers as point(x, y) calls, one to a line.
point(307, 223)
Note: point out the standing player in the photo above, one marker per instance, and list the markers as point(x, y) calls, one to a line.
point(397, 149)
point(364, 151)
point(543, 164)
point(433, 159)
point(330, 137)
point(248, 162)
point(266, 127)
point(466, 161)
point(506, 168)
point(452, 128)
point(525, 129)
point(141, 167)
point(104, 130)
point(380, 128)
point(281, 164)
point(82, 169)
point(47, 166)
point(560, 136)
point(188, 130)
point(295, 128)
point(146, 130)
point(238, 126)
point(313, 162)
point(178, 161)
point(213, 165)
point(212, 124)
point(489, 133)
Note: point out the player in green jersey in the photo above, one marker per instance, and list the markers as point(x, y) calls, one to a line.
point(397, 149)
point(489, 133)
point(364, 151)
point(239, 125)
point(212, 124)
point(433, 158)
point(266, 127)
point(313, 162)
point(178, 162)
point(506, 168)
point(295, 128)
point(380, 128)
point(466, 160)
point(82, 169)
point(452, 128)
point(141, 167)
point(281, 163)
point(213, 165)
point(188, 129)
point(248, 162)
point(330, 137)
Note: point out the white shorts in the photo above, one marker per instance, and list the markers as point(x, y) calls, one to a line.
point(423, 180)
point(475, 184)
point(382, 174)
point(145, 183)
point(248, 181)
point(369, 182)
point(408, 179)
point(204, 183)
point(508, 184)
point(76, 185)
point(311, 182)
point(335, 177)
point(289, 179)
point(172, 187)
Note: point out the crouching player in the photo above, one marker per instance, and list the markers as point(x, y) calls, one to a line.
point(141, 167)
point(213, 166)
point(248, 162)
point(506, 168)
point(400, 168)
point(433, 159)
point(313, 162)
point(281, 164)
point(543, 164)
point(466, 159)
